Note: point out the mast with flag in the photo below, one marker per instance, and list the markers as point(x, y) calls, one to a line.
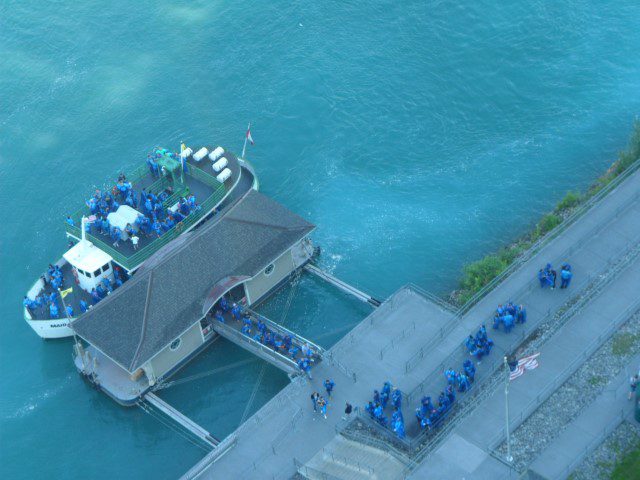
point(247, 137)
point(515, 368)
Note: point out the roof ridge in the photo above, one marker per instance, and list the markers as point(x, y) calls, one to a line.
point(193, 234)
point(144, 321)
point(265, 224)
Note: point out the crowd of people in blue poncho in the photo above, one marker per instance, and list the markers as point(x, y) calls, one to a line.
point(258, 331)
point(49, 298)
point(547, 276)
point(429, 414)
point(154, 217)
point(392, 396)
point(508, 315)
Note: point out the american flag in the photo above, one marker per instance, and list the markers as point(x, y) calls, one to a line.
point(525, 363)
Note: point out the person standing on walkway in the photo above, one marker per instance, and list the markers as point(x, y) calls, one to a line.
point(322, 403)
point(328, 385)
point(347, 411)
point(565, 276)
point(633, 384)
point(314, 399)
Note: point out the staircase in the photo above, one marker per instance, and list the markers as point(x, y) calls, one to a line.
point(348, 460)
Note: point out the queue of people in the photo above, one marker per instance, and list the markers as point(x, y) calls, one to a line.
point(303, 355)
point(377, 406)
point(428, 415)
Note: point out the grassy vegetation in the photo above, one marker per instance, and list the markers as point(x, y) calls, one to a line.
point(623, 343)
point(629, 467)
point(479, 273)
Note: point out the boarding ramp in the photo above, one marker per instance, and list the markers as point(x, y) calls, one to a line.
point(345, 287)
point(180, 419)
point(231, 330)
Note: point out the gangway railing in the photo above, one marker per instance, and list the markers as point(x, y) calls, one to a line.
point(345, 287)
point(266, 353)
point(276, 327)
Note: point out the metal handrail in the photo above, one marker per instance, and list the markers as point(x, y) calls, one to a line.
point(276, 326)
point(212, 457)
point(278, 356)
point(300, 467)
point(337, 458)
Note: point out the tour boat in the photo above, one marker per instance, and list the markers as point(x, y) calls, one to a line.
point(213, 176)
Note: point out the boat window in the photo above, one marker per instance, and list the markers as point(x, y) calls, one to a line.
point(87, 274)
point(81, 271)
point(96, 273)
point(105, 268)
point(269, 269)
point(175, 344)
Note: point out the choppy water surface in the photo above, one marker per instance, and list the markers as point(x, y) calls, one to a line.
point(416, 135)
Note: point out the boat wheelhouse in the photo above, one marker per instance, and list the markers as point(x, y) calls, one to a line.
point(210, 178)
point(163, 316)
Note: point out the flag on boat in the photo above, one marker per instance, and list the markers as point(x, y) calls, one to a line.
point(249, 137)
point(64, 293)
point(525, 363)
point(183, 147)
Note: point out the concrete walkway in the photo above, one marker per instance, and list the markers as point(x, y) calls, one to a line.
point(589, 430)
point(285, 429)
point(560, 357)
point(590, 246)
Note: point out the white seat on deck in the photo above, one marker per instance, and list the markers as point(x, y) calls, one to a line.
point(224, 175)
point(200, 154)
point(216, 154)
point(220, 165)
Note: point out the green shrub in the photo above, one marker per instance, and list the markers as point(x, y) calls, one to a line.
point(479, 273)
point(548, 223)
point(570, 200)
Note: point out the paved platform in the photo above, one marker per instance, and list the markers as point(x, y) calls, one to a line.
point(285, 433)
point(589, 429)
point(286, 428)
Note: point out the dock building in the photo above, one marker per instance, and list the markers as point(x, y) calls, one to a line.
point(162, 317)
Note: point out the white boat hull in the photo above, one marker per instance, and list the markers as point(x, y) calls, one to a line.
point(50, 328)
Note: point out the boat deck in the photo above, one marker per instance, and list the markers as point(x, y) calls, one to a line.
point(73, 298)
point(199, 180)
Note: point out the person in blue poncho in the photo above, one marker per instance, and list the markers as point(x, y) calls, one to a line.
point(565, 276)
point(84, 306)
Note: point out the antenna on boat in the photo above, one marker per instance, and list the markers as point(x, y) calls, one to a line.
point(82, 232)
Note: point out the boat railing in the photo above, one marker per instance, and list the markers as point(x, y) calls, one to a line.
point(130, 262)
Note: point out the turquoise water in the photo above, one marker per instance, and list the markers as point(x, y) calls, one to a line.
point(416, 135)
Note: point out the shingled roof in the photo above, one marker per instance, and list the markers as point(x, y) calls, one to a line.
point(166, 296)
